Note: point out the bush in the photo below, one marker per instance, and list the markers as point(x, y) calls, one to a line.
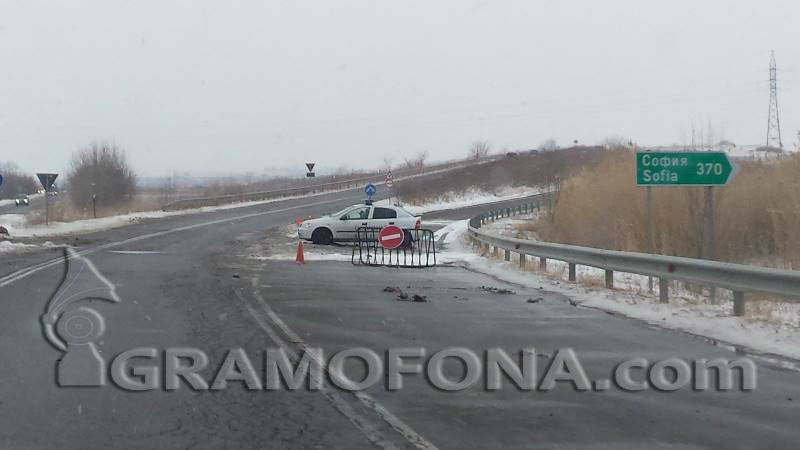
point(100, 170)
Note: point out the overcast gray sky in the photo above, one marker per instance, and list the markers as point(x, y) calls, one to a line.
point(222, 86)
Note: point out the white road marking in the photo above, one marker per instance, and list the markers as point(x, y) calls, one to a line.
point(395, 422)
point(375, 436)
point(28, 271)
point(136, 252)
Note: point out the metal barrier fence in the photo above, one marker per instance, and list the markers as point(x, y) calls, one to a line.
point(738, 278)
point(418, 250)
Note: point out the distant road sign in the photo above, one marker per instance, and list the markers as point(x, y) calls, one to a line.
point(47, 180)
point(1, 180)
point(370, 190)
point(684, 169)
point(391, 237)
point(311, 166)
point(389, 179)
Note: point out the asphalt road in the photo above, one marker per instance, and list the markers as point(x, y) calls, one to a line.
point(193, 282)
point(36, 203)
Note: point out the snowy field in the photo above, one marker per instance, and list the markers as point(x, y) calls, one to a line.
point(471, 197)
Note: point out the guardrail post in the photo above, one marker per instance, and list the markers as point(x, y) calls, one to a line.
point(663, 290)
point(508, 255)
point(522, 260)
point(572, 276)
point(542, 263)
point(738, 303)
point(609, 279)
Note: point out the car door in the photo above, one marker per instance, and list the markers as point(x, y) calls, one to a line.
point(382, 217)
point(349, 222)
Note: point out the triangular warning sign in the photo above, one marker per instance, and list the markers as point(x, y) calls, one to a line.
point(47, 179)
point(310, 166)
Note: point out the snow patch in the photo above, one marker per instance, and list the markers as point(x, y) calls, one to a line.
point(471, 197)
point(7, 247)
point(309, 256)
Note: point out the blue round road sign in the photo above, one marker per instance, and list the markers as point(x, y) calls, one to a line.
point(370, 190)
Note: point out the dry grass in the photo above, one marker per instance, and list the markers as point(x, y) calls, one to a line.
point(757, 216)
point(531, 168)
point(63, 210)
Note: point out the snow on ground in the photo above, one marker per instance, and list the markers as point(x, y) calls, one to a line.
point(17, 227)
point(308, 256)
point(769, 327)
point(12, 222)
point(750, 152)
point(471, 197)
point(18, 247)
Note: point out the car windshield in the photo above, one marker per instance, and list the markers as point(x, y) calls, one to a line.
point(343, 212)
point(450, 224)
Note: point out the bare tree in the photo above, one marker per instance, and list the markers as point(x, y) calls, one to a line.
point(479, 149)
point(420, 159)
point(614, 142)
point(387, 163)
point(15, 182)
point(548, 145)
point(100, 172)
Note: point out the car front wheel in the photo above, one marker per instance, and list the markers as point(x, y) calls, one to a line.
point(322, 236)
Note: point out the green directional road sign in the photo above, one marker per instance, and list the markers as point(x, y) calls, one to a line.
point(684, 169)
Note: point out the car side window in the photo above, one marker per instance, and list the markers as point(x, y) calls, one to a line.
point(384, 213)
point(357, 214)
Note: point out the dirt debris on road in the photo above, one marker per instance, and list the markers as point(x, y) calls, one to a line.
point(403, 296)
point(496, 290)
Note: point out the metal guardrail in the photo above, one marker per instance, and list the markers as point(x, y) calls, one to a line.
point(738, 278)
point(199, 202)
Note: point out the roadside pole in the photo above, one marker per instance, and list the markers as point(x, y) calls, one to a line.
point(648, 231)
point(709, 245)
point(47, 180)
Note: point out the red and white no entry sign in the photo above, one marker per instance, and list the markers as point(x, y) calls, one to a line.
point(391, 237)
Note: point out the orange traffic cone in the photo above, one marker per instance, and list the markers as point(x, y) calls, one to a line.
point(300, 258)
